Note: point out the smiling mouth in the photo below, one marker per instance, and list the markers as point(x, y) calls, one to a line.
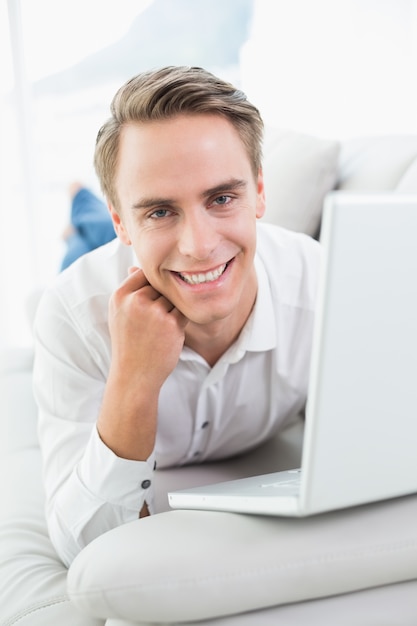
point(203, 277)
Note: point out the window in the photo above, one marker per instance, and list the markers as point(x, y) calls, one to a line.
point(65, 61)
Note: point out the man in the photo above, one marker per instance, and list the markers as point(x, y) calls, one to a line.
point(188, 337)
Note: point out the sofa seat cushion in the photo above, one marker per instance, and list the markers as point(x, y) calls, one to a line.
point(210, 564)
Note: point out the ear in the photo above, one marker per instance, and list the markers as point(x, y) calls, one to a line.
point(260, 199)
point(119, 227)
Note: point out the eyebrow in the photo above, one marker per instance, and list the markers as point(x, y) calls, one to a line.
point(148, 203)
point(234, 184)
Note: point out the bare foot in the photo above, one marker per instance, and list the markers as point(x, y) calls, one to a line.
point(67, 232)
point(74, 188)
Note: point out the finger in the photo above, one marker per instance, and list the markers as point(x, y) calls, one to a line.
point(172, 310)
point(135, 280)
point(162, 301)
point(165, 304)
point(181, 319)
point(150, 292)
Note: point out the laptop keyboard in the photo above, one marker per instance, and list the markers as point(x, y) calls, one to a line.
point(289, 479)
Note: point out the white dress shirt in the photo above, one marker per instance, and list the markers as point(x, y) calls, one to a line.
point(204, 412)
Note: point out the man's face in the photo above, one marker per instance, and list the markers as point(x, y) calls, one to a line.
point(188, 205)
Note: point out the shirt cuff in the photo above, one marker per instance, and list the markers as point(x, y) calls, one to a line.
point(120, 482)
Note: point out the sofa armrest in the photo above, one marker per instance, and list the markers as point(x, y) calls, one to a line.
point(180, 566)
point(17, 405)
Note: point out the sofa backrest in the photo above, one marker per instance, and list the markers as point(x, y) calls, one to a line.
point(300, 169)
point(387, 163)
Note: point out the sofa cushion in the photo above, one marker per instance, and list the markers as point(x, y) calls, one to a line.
point(211, 564)
point(390, 605)
point(299, 170)
point(35, 591)
point(377, 163)
point(408, 181)
point(17, 404)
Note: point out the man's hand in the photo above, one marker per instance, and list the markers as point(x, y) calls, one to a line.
point(147, 332)
point(147, 335)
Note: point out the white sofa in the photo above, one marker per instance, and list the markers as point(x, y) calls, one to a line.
point(351, 567)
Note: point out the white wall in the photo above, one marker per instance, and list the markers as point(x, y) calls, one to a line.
point(337, 68)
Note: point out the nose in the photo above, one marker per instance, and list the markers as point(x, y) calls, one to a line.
point(198, 235)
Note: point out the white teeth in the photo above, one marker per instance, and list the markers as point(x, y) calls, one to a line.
point(197, 279)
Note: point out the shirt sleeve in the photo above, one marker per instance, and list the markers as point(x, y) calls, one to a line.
point(88, 489)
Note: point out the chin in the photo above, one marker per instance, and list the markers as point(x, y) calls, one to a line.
point(209, 317)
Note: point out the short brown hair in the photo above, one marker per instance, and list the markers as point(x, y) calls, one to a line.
point(163, 94)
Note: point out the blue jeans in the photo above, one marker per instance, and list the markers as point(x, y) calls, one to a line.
point(92, 225)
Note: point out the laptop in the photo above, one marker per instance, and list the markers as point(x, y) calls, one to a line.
point(360, 438)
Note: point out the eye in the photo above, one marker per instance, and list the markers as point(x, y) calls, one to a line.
point(159, 213)
point(222, 200)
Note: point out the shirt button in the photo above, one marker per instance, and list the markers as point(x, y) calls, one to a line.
point(146, 484)
point(197, 453)
point(205, 424)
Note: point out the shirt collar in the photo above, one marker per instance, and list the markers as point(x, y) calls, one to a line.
point(259, 333)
